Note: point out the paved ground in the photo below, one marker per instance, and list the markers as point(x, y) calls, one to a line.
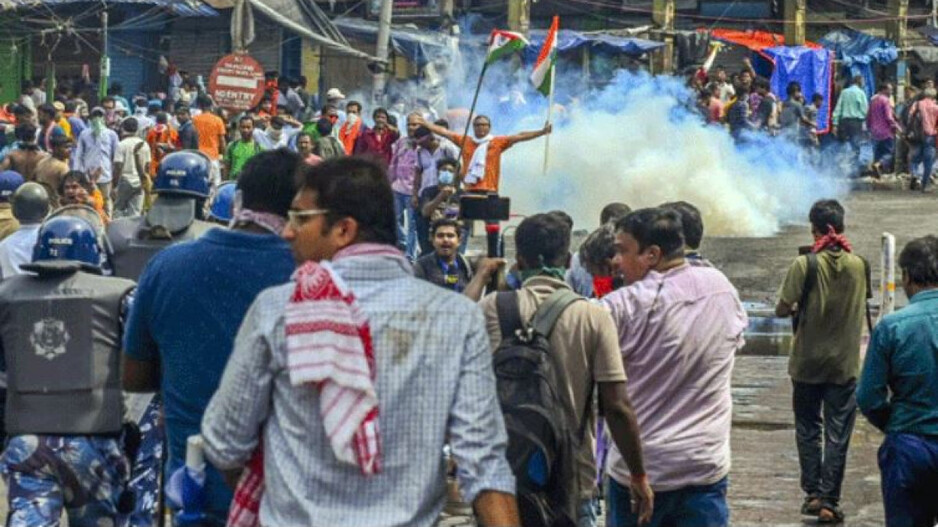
point(764, 478)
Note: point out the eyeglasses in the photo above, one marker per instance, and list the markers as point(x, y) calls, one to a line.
point(297, 218)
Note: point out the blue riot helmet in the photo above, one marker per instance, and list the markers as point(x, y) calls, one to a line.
point(65, 241)
point(222, 204)
point(184, 173)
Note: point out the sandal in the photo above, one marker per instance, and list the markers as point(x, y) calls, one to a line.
point(811, 506)
point(830, 514)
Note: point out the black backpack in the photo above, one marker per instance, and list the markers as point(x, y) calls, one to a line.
point(541, 444)
point(916, 128)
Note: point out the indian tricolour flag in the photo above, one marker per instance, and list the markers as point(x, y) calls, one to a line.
point(504, 43)
point(542, 77)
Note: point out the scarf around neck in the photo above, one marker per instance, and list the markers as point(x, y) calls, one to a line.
point(476, 170)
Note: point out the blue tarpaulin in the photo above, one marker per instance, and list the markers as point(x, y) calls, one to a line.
point(568, 40)
point(809, 67)
point(858, 52)
point(419, 47)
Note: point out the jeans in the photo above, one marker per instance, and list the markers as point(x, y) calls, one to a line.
point(850, 131)
point(909, 467)
point(924, 153)
point(823, 474)
point(587, 514)
point(406, 224)
point(699, 506)
point(883, 152)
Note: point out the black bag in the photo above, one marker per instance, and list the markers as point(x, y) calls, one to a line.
point(916, 128)
point(541, 444)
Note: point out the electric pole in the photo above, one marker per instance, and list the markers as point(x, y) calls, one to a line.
point(382, 67)
point(663, 17)
point(794, 22)
point(105, 61)
point(897, 30)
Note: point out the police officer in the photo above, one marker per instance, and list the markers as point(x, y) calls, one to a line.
point(182, 183)
point(60, 333)
point(221, 206)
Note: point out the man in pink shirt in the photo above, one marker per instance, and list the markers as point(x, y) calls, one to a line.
point(922, 137)
point(882, 124)
point(679, 329)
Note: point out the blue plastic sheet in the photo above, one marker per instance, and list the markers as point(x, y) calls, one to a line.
point(858, 52)
point(568, 40)
point(809, 67)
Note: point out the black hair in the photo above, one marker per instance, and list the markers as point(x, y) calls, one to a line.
point(919, 261)
point(182, 108)
point(71, 106)
point(599, 246)
point(613, 212)
point(655, 226)
point(392, 120)
point(22, 110)
point(564, 217)
point(691, 222)
point(324, 126)
point(246, 117)
point(793, 88)
point(817, 97)
point(761, 82)
point(486, 117)
point(82, 178)
point(204, 101)
point(883, 86)
point(277, 122)
point(162, 118)
point(47, 109)
point(305, 134)
point(129, 125)
point(827, 212)
point(445, 222)
point(543, 240)
point(442, 123)
point(268, 181)
point(355, 104)
point(374, 114)
point(447, 161)
point(357, 188)
point(25, 132)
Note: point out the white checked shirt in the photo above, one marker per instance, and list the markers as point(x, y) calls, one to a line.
point(434, 380)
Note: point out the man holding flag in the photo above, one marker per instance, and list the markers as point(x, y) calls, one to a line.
point(482, 153)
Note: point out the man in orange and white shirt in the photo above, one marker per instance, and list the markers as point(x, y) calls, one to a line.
point(482, 153)
point(352, 128)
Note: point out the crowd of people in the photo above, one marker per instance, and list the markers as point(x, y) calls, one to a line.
point(901, 136)
point(293, 301)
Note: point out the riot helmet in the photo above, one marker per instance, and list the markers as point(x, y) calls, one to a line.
point(222, 204)
point(184, 173)
point(30, 203)
point(10, 180)
point(65, 241)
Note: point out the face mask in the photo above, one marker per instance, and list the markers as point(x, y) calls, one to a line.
point(446, 177)
point(353, 119)
point(97, 125)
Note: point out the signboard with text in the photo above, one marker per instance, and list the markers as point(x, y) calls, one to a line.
point(237, 82)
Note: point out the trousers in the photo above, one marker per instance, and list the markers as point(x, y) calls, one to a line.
point(822, 472)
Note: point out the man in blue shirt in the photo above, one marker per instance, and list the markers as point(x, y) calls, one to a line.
point(190, 302)
point(898, 392)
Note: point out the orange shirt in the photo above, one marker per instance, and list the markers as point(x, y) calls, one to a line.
point(97, 201)
point(166, 135)
point(493, 161)
point(349, 134)
point(210, 127)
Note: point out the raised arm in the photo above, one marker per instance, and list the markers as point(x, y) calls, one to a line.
point(440, 131)
point(528, 136)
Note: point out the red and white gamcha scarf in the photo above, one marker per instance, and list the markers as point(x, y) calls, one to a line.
point(329, 347)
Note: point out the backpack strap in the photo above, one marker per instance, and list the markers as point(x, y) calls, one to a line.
point(810, 280)
point(509, 313)
point(869, 294)
point(550, 310)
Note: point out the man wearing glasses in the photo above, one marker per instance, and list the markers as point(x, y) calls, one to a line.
point(482, 153)
point(356, 374)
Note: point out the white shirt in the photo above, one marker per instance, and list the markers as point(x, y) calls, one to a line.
point(17, 249)
point(125, 155)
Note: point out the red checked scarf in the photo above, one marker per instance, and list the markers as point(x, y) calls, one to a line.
point(832, 240)
point(329, 346)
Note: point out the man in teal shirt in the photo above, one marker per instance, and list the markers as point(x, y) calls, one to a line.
point(850, 114)
point(898, 392)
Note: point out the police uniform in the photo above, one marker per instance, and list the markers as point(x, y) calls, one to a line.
point(181, 183)
point(60, 333)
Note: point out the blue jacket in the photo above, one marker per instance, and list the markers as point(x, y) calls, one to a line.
point(898, 389)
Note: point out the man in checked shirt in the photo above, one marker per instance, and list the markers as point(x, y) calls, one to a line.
point(432, 376)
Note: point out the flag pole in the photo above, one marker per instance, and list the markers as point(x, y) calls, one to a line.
point(472, 109)
point(550, 111)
